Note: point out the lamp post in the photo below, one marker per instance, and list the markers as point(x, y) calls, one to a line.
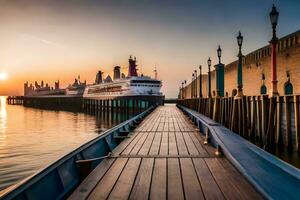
point(182, 90)
point(209, 78)
point(219, 52)
point(200, 80)
point(195, 83)
point(240, 66)
point(274, 19)
point(192, 86)
point(219, 75)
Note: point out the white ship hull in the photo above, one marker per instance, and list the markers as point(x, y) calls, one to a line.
point(133, 86)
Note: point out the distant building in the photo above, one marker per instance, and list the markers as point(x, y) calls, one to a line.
point(41, 90)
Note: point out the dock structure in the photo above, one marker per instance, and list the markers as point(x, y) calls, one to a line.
point(271, 122)
point(91, 105)
point(15, 100)
point(165, 158)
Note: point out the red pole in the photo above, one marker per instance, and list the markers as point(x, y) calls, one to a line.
point(274, 68)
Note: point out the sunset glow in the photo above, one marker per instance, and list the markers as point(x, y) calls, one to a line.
point(59, 40)
point(3, 76)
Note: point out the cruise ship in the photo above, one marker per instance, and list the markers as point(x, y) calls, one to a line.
point(121, 86)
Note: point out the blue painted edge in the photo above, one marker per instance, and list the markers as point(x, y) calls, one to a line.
point(272, 177)
point(23, 185)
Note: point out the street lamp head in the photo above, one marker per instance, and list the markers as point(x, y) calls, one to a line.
point(209, 62)
point(240, 39)
point(274, 16)
point(193, 74)
point(195, 71)
point(219, 52)
point(185, 81)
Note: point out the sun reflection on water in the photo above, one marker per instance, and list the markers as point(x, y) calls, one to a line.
point(3, 115)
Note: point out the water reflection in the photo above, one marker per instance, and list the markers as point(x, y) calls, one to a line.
point(3, 116)
point(31, 139)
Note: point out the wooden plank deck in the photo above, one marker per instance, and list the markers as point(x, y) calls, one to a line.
point(165, 159)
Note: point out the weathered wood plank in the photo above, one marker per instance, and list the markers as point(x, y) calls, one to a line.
point(140, 143)
point(103, 188)
point(130, 146)
point(88, 184)
point(202, 151)
point(209, 186)
point(159, 180)
point(164, 144)
point(122, 146)
point(172, 144)
point(190, 144)
point(209, 149)
point(123, 186)
point(175, 189)
point(142, 183)
point(244, 187)
point(154, 150)
point(182, 149)
point(230, 190)
point(161, 126)
point(192, 188)
point(147, 144)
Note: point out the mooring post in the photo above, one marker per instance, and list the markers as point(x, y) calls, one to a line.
point(264, 118)
point(288, 122)
point(216, 109)
point(112, 105)
point(107, 106)
point(297, 124)
point(270, 137)
point(259, 117)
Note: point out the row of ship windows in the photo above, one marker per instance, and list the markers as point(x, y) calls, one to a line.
point(144, 85)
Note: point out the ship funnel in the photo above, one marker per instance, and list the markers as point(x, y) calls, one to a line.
point(117, 72)
point(57, 85)
point(132, 71)
point(99, 77)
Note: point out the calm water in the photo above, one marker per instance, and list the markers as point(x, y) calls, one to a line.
point(31, 139)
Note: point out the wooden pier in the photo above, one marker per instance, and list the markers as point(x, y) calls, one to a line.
point(15, 100)
point(164, 158)
point(133, 105)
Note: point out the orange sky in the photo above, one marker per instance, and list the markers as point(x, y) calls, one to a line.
point(57, 39)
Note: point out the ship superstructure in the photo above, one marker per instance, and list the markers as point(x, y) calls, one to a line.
point(77, 88)
point(120, 86)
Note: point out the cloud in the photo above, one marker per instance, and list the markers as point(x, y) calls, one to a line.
point(44, 41)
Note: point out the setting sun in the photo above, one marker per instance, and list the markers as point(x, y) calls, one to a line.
point(3, 76)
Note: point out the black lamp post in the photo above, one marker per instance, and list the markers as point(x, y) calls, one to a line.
point(274, 14)
point(209, 78)
point(182, 90)
point(219, 52)
point(274, 19)
point(192, 86)
point(200, 80)
point(240, 66)
point(195, 83)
